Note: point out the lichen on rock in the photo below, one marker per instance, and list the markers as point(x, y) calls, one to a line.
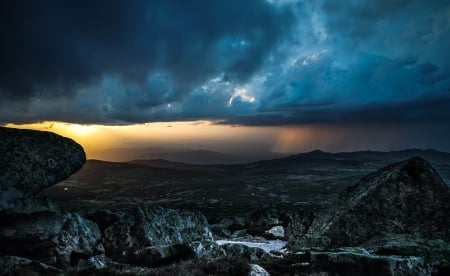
point(152, 235)
point(32, 160)
point(408, 197)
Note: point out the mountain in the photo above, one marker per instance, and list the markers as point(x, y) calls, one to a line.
point(192, 156)
point(316, 162)
point(429, 154)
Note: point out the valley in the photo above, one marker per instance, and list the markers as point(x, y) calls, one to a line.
point(309, 180)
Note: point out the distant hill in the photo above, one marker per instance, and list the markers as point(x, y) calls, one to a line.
point(192, 156)
point(358, 160)
point(430, 154)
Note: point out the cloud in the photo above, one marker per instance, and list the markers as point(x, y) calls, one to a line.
point(53, 48)
point(235, 62)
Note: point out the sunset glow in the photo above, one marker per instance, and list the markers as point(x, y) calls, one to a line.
point(240, 140)
point(195, 134)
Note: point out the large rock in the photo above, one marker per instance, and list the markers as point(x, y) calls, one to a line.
point(59, 240)
point(256, 270)
point(349, 261)
point(243, 251)
point(408, 197)
point(33, 160)
point(153, 235)
point(435, 252)
point(78, 239)
point(346, 262)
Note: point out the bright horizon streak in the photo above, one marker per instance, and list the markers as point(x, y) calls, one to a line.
point(239, 140)
point(202, 134)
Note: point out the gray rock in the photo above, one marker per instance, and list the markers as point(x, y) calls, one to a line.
point(207, 249)
point(243, 251)
point(256, 270)
point(154, 235)
point(79, 238)
point(350, 262)
point(32, 160)
point(408, 197)
point(298, 227)
point(276, 231)
point(435, 252)
point(51, 238)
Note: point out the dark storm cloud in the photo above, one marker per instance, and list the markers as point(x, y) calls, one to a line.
point(258, 62)
point(421, 110)
point(54, 48)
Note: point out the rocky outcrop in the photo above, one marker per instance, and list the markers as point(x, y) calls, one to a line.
point(33, 160)
point(59, 240)
point(436, 253)
point(277, 232)
point(243, 251)
point(404, 198)
point(346, 261)
point(34, 227)
point(153, 235)
point(397, 217)
point(354, 261)
point(256, 270)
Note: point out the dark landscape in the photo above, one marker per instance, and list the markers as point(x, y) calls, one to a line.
point(310, 180)
point(315, 213)
point(225, 137)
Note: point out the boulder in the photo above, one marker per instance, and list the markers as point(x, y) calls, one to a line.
point(79, 238)
point(408, 197)
point(154, 235)
point(298, 227)
point(256, 270)
point(276, 231)
point(435, 252)
point(32, 160)
point(351, 261)
point(59, 240)
point(243, 251)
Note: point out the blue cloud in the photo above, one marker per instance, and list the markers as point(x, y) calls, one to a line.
point(237, 62)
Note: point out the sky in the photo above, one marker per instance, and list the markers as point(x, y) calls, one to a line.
point(290, 75)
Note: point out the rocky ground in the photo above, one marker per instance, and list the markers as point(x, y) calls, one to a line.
point(392, 222)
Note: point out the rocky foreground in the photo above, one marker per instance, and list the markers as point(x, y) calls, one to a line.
point(392, 222)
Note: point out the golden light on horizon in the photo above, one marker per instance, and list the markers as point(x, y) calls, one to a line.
point(201, 134)
point(207, 135)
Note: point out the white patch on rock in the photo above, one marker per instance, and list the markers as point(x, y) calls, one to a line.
point(277, 231)
point(268, 246)
point(256, 270)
